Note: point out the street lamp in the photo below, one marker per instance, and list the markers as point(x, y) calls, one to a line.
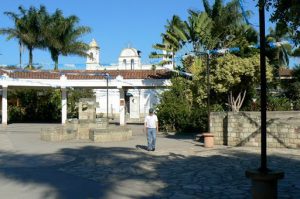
point(208, 136)
point(106, 75)
point(264, 180)
point(198, 54)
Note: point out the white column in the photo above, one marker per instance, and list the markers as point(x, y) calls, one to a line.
point(4, 105)
point(63, 105)
point(122, 107)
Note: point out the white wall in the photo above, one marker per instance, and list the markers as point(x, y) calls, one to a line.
point(113, 101)
point(148, 98)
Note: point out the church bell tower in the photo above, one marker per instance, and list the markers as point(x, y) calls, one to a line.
point(93, 60)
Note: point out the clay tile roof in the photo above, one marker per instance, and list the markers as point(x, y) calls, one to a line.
point(87, 74)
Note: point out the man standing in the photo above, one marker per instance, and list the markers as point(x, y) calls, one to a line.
point(151, 127)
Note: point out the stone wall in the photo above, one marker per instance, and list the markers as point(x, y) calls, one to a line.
point(58, 134)
point(110, 135)
point(243, 128)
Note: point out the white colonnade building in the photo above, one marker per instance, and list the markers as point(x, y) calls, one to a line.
point(131, 86)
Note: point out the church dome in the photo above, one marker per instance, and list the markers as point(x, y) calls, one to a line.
point(129, 52)
point(94, 44)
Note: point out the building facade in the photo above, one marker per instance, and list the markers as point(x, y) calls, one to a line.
point(137, 100)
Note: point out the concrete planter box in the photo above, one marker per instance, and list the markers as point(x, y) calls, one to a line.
point(110, 135)
point(58, 134)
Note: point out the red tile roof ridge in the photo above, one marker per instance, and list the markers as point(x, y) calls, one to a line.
point(87, 74)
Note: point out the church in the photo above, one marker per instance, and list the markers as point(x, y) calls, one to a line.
point(137, 100)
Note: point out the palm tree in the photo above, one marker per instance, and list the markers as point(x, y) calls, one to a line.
point(228, 21)
point(196, 31)
point(278, 55)
point(61, 36)
point(27, 29)
point(171, 42)
point(14, 32)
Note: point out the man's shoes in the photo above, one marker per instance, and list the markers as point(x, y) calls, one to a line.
point(153, 149)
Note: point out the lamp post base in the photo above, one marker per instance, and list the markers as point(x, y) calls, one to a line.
point(208, 140)
point(264, 184)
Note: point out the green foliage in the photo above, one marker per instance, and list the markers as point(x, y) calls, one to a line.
point(27, 28)
point(229, 72)
point(278, 56)
point(15, 113)
point(177, 111)
point(292, 90)
point(197, 31)
point(278, 103)
point(36, 28)
point(287, 15)
point(296, 104)
point(42, 105)
point(171, 42)
point(296, 73)
point(34, 105)
point(61, 35)
point(229, 28)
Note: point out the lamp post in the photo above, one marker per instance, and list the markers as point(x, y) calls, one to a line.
point(264, 180)
point(208, 136)
point(106, 75)
point(208, 90)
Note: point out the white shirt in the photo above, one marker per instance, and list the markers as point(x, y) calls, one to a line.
point(150, 121)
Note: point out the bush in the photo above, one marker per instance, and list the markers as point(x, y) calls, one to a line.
point(15, 113)
point(42, 105)
point(177, 112)
point(278, 104)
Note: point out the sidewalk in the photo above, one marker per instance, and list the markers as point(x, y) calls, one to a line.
point(179, 168)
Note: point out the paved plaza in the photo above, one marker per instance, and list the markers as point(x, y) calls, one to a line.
point(180, 168)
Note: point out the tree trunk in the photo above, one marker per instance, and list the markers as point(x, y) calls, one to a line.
point(56, 63)
point(236, 103)
point(30, 58)
point(54, 56)
point(173, 60)
point(21, 48)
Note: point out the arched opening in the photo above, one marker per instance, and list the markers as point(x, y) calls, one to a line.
point(131, 64)
point(124, 63)
point(92, 56)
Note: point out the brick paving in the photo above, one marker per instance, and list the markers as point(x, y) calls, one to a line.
point(179, 168)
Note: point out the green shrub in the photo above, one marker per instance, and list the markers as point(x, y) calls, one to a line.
point(42, 105)
point(177, 111)
point(15, 113)
point(275, 103)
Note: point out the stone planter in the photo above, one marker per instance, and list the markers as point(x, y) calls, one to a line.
point(264, 184)
point(208, 140)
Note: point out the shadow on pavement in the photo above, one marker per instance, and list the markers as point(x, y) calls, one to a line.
point(117, 172)
point(144, 147)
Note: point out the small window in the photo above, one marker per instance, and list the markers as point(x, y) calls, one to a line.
point(124, 62)
point(92, 56)
point(131, 64)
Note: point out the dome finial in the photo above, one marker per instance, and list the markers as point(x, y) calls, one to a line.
point(94, 44)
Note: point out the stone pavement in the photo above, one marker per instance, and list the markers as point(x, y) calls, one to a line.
point(179, 169)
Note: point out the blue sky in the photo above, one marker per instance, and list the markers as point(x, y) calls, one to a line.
point(115, 25)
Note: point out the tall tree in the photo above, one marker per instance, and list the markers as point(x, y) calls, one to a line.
point(287, 15)
point(14, 32)
point(228, 23)
point(27, 29)
point(171, 42)
point(62, 36)
point(278, 55)
point(197, 31)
